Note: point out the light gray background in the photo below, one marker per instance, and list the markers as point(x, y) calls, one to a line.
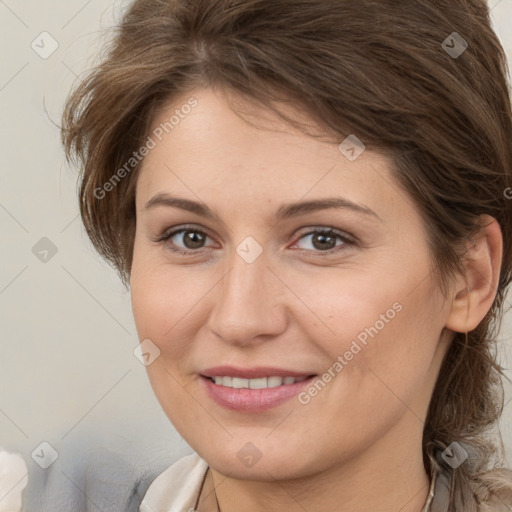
point(67, 369)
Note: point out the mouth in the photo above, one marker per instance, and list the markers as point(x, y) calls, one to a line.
point(273, 381)
point(253, 390)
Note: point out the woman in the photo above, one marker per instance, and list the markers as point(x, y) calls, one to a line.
point(308, 201)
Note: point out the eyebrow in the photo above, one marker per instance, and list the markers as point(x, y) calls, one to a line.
point(285, 211)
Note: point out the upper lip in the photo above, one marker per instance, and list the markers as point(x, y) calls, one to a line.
point(252, 373)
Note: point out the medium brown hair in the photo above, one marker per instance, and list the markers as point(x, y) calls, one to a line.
point(379, 69)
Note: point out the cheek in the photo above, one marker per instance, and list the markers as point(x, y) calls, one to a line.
point(160, 307)
point(388, 364)
point(170, 305)
point(339, 307)
point(386, 338)
point(158, 293)
point(161, 311)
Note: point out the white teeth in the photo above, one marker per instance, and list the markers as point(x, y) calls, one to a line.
point(259, 383)
point(239, 383)
point(273, 382)
point(227, 381)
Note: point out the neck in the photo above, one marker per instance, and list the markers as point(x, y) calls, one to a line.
point(380, 479)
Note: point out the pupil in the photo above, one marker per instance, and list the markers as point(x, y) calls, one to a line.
point(190, 235)
point(322, 238)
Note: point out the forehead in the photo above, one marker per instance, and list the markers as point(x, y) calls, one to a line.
point(209, 151)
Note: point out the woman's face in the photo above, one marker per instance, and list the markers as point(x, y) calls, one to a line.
point(262, 290)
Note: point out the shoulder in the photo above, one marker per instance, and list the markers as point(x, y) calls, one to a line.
point(176, 488)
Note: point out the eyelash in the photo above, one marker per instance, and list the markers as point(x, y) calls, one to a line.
point(325, 231)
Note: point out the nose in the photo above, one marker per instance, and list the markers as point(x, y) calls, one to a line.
point(250, 305)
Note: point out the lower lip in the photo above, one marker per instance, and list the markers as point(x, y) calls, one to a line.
point(253, 400)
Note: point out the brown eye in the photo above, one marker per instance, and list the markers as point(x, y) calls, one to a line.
point(325, 240)
point(187, 240)
point(193, 239)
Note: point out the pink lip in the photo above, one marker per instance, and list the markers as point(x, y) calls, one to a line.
point(252, 373)
point(253, 400)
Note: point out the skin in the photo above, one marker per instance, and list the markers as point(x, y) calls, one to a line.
point(356, 446)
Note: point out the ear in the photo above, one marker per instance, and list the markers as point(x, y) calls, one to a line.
point(475, 291)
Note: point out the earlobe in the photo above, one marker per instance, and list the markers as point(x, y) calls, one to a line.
point(475, 291)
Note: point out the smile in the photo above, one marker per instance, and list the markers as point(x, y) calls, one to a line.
point(249, 393)
point(260, 383)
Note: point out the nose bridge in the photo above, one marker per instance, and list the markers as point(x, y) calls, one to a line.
point(247, 304)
